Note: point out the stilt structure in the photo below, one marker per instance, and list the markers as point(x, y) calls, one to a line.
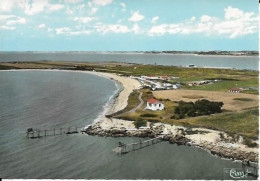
point(123, 148)
point(32, 133)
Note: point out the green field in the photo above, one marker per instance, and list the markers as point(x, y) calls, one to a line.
point(227, 84)
point(243, 123)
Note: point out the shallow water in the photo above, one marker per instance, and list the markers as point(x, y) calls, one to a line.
point(62, 99)
point(239, 62)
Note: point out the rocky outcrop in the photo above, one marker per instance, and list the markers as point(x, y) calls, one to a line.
point(231, 153)
point(118, 132)
point(178, 137)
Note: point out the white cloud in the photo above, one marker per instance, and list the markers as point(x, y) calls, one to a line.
point(55, 7)
point(8, 22)
point(117, 28)
point(93, 10)
point(136, 16)
point(90, 4)
point(136, 29)
point(73, 1)
point(155, 19)
point(6, 6)
point(193, 18)
point(235, 13)
point(7, 27)
point(205, 18)
point(17, 20)
point(102, 2)
point(32, 7)
point(69, 31)
point(41, 26)
point(123, 5)
point(83, 32)
point(69, 11)
point(83, 19)
point(35, 7)
point(236, 23)
point(49, 29)
point(5, 17)
point(75, 9)
point(165, 28)
point(63, 30)
point(113, 28)
point(79, 7)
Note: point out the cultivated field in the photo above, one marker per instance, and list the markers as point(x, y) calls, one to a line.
point(232, 101)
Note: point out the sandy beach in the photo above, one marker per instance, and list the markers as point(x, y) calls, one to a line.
point(129, 85)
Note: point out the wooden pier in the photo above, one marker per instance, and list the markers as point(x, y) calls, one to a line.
point(123, 148)
point(37, 133)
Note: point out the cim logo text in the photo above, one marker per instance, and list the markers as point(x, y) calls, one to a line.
point(237, 173)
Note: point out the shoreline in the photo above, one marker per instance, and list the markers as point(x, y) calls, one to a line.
point(206, 139)
point(136, 52)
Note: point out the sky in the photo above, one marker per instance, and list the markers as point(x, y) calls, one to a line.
point(129, 25)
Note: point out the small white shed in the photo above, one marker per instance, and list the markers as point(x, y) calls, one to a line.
point(154, 104)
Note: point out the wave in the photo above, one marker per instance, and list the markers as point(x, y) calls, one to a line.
point(108, 107)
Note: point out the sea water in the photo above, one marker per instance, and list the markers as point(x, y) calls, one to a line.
point(51, 99)
point(237, 62)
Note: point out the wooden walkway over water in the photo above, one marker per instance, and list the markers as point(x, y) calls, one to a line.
point(32, 133)
point(123, 148)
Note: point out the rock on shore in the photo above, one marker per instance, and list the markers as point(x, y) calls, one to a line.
point(179, 136)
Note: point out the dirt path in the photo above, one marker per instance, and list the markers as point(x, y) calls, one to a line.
point(137, 107)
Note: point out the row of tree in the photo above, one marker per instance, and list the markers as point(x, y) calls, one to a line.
point(199, 108)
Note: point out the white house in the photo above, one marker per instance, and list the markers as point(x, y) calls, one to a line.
point(154, 104)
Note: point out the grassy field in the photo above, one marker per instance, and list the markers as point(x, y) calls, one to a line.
point(225, 85)
point(244, 123)
point(232, 101)
point(143, 114)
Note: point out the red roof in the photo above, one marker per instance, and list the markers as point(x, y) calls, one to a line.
point(152, 101)
point(235, 89)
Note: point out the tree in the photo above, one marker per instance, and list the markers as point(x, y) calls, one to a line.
point(140, 123)
point(199, 108)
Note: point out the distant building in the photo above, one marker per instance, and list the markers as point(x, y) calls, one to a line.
point(154, 104)
point(235, 90)
point(197, 83)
